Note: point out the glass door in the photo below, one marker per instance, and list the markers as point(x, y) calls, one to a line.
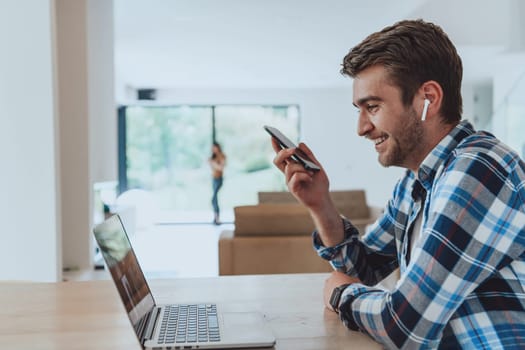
point(164, 153)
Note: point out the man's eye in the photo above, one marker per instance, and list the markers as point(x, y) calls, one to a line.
point(372, 108)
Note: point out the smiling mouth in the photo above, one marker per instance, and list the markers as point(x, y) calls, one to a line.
point(380, 140)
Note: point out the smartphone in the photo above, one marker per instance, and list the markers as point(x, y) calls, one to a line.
point(286, 143)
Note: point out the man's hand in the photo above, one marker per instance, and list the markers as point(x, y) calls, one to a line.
point(312, 190)
point(336, 279)
point(309, 187)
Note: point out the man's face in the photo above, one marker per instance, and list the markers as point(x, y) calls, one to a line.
point(396, 130)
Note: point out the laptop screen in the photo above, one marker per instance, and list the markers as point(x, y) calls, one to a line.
point(124, 268)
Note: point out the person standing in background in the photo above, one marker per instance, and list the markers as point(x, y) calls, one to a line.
point(217, 162)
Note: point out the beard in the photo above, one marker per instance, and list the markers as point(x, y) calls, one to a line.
point(405, 141)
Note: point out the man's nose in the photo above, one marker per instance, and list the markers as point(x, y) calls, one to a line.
point(364, 126)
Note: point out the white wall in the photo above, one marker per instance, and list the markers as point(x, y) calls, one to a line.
point(509, 67)
point(30, 233)
point(504, 83)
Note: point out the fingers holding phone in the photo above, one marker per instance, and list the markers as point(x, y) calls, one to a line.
point(282, 155)
point(280, 141)
point(305, 152)
point(303, 174)
point(284, 162)
point(284, 159)
point(308, 182)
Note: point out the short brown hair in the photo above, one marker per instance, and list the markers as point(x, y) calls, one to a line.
point(413, 52)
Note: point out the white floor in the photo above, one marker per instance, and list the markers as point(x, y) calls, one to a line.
point(171, 251)
point(179, 250)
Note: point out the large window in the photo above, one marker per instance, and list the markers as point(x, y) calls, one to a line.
point(165, 151)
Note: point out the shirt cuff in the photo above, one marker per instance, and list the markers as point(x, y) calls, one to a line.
point(345, 305)
point(329, 253)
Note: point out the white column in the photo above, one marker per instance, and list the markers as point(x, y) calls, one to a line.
point(101, 87)
point(72, 73)
point(88, 135)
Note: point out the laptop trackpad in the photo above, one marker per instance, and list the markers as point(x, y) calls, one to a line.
point(247, 326)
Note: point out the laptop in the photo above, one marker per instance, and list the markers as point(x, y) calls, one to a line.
point(177, 326)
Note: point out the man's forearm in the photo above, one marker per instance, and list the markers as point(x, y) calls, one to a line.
point(329, 224)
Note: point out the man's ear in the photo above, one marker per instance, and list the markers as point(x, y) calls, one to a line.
point(428, 99)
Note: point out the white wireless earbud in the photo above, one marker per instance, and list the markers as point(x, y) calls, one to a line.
point(425, 109)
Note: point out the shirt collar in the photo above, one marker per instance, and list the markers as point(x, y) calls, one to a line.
point(418, 191)
point(428, 169)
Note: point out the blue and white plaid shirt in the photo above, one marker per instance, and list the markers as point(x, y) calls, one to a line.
point(463, 283)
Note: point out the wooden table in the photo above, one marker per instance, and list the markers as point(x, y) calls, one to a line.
point(89, 315)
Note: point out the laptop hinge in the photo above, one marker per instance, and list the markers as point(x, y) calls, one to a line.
point(150, 324)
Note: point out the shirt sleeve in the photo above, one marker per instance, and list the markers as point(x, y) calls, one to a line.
point(474, 227)
point(371, 257)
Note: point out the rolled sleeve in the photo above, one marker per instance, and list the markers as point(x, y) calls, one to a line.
point(345, 305)
point(332, 253)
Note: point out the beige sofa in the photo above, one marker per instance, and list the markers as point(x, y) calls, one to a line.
point(274, 236)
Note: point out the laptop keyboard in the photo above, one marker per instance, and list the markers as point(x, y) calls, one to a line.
point(189, 324)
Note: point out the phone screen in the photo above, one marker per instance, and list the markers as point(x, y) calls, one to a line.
point(286, 143)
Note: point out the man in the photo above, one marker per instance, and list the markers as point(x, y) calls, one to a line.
point(452, 237)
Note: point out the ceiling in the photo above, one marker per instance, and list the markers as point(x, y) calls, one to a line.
point(284, 43)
